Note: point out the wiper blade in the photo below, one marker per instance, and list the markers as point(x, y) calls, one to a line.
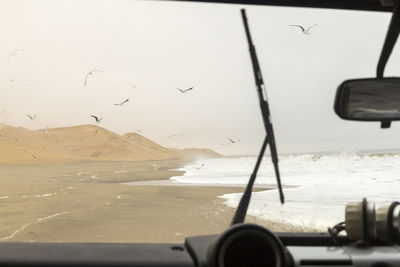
point(269, 138)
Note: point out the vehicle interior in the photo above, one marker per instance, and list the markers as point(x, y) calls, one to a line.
point(369, 236)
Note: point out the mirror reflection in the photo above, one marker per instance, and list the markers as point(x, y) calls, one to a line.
point(369, 99)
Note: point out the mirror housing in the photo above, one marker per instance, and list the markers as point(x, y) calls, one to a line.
point(369, 100)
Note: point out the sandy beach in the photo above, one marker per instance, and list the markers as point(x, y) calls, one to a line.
point(86, 202)
point(70, 185)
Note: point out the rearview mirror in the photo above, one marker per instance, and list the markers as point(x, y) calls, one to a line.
point(369, 100)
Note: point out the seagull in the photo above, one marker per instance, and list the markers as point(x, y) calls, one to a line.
point(14, 53)
point(31, 117)
point(123, 102)
point(90, 73)
point(200, 166)
point(307, 32)
point(139, 131)
point(98, 120)
point(176, 135)
point(34, 157)
point(185, 90)
point(233, 141)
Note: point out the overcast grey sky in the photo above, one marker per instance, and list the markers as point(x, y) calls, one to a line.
point(157, 46)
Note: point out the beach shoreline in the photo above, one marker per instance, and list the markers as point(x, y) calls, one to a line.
point(88, 202)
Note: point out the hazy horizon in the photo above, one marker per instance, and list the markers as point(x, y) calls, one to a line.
point(350, 151)
point(148, 49)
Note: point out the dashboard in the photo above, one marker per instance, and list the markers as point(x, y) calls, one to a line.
point(298, 249)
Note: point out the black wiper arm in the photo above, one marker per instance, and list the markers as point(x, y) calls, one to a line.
point(390, 40)
point(262, 95)
point(269, 139)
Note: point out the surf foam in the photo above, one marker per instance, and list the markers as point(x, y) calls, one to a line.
point(323, 185)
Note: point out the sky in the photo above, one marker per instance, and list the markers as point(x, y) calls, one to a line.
point(147, 49)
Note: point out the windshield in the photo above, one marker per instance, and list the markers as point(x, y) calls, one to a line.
point(138, 121)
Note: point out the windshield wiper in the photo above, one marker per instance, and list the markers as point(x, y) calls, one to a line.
point(269, 138)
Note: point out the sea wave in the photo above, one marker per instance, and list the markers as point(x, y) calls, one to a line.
point(320, 185)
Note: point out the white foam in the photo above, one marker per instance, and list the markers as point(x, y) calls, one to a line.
point(323, 185)
point(51, 216)
point(12, 235)
point(221, 171)
point(174, 183)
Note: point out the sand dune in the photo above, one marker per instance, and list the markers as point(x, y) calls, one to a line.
point(80, 143)
point(148, 145)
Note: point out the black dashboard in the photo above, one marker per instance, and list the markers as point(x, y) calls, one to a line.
point(300, 249)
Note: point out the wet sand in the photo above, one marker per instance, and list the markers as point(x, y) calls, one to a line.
point(87, 202)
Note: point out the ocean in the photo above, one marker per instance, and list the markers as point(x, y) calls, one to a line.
point(317, 186)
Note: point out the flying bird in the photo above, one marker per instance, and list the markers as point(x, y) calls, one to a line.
point(98, 120)
point(90, 73)
point(14, 53)
point(176, 135)
point(31, 117)
point(200, 166)
point(307, 32)
point(123, 102)
point(233, 141)
point(185, 90)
